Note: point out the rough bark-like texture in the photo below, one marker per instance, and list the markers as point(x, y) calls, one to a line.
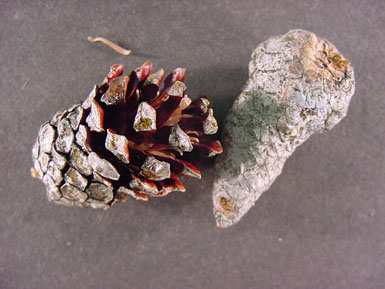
point(298, 85)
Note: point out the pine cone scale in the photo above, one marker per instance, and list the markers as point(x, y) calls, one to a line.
point(79, 161)
point(103, 167)
point(46, 138)
point(73, 177)
point(72, 193)
point(118, 145)
point(95, 120)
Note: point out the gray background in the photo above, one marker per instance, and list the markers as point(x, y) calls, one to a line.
point(322, 223)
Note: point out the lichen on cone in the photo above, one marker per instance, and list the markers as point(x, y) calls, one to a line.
point(131, 137)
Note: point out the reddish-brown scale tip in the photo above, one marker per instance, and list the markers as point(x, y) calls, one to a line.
point(144, 71)
point(178, 184)
point(190, 170)
point(116, 70)
point(141, 196)
point(209, 148)
point(179, 74)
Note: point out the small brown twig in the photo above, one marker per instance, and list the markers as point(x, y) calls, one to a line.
point(110, 44)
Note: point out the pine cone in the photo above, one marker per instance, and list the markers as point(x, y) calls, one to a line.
point(128, 138)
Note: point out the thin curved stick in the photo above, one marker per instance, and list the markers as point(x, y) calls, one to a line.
point(110, 44)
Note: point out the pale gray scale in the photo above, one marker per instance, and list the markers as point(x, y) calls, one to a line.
point(154, 169)
point(126, 191)
point(94, 92)
point(83, 205)
point(38, 169)
point(179, 139)
point(95, 118)
point(82, 137)
point(53, 192)
point(100, 192)
point(75, 178)
point(35, 150)
point(115, 93)
point(145, 118)
point(58, 116)
point(47, 135)
point(188, 172)
point(79, 160)
point(95, 204)
point(66, 202)
point(154, 78)
point(55, 173)
point(103, 167)
point(142, 187)
point(59, 159)
point(210, 125)
point(44, 160)
point(118, 145)
point(101, 179)
point(74, 106)
point(75, 117)
point(72, 193)
point(177, 89)
point(65, 137)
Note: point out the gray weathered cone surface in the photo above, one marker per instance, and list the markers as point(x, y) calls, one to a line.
point(298, 85)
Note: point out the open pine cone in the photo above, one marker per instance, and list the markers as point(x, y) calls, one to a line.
point(128, 138)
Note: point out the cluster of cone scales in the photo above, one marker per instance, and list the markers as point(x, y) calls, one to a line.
point(134, 136)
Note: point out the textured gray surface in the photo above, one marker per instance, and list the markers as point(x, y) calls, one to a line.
point(321, 224)
point(299, 85)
